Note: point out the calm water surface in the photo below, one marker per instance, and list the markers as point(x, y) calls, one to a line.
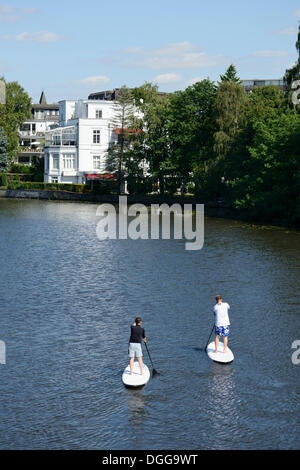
point(66, 303)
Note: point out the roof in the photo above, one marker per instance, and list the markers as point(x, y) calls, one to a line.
point(112, 95)
point(43, 98)
point(45, 106)
point(97, 176)
point(128, 131)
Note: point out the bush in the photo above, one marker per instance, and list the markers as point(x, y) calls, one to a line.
point(105, 187)
point(38, 177)
point(18, 168)
point(3, 179)
point(27, 185)
point(139, 186)
point(191, 188)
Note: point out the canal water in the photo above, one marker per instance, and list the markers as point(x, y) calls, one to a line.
point(67, 301)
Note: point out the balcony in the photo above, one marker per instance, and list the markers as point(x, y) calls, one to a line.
point(61, 136)
point(31, 151)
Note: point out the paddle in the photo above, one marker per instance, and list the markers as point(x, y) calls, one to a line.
point(209, 337)
point(154, 371)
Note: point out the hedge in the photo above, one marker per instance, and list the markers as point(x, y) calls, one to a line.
point(26, 185)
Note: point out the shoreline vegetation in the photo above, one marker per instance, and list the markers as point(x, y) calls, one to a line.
point(61, 192)
point(214, 141)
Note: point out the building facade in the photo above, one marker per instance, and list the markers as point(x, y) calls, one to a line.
point(112, 95)
point(249, 85)
point(44, 117)
point(76, 150)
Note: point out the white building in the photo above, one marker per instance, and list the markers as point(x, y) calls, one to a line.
point(77, 148)
point(44, 117)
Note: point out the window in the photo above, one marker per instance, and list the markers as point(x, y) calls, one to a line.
point(69, 161)
point(96, 137)
point(55, 161)
point(24, 160)
point(96, 162)
point(98, 113)
point(54, 179)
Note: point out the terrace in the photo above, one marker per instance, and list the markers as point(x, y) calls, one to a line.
point(61, 136)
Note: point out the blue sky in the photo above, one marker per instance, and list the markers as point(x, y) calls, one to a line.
point(70, 49)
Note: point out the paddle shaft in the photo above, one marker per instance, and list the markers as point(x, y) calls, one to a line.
point(150, 357)
point(209, 336)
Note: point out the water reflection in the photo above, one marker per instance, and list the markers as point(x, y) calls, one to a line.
point(136, 404)
point(223, 400)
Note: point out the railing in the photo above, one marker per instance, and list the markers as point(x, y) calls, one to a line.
point(29, 150)
point(56, 143)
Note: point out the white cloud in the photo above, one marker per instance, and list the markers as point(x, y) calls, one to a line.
point(10, 14)
point(95, 80)
point(297, 13)
point(167, 78)
point(182, 55)
point(268, 53)
point(42, 36)
point(287, 31)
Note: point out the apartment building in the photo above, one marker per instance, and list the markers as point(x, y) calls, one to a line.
point(44, 117)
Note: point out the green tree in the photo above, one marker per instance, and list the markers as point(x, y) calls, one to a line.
point(13, 114)
point(263, 104)
point(4, 158)
point(191, 130)
point(230, 108)
point(152, 146)
point(230, 75)
point(267, 187)
point(121, 122)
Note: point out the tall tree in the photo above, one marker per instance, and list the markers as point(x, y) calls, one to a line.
point(13, 114)
point(267, 185)
point(230, 75)
point(191, 129)
point(4, 158)
point(121, 121)
point(154, 142)
point(231, 100)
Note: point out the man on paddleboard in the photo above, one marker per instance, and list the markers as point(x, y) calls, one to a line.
point(221, 322)
point(135, 344)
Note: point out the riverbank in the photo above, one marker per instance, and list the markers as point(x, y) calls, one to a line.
point(212, 208)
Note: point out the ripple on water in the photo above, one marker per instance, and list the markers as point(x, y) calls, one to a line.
point(66, 302)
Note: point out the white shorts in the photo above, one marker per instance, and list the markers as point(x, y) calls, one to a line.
point(135, 350)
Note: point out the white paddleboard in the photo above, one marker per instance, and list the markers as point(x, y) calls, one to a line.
point(136, 379)
point(219, 356)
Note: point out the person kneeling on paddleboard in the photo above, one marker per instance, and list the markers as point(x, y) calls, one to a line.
point(221, 322)
point(135, 344)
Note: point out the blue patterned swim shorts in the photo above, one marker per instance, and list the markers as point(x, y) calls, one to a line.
point(222, 330)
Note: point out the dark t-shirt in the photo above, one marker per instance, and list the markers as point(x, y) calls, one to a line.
point(137, 334)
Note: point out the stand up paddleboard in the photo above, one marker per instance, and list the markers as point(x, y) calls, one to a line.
point(136, 379)
point(219, 356)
